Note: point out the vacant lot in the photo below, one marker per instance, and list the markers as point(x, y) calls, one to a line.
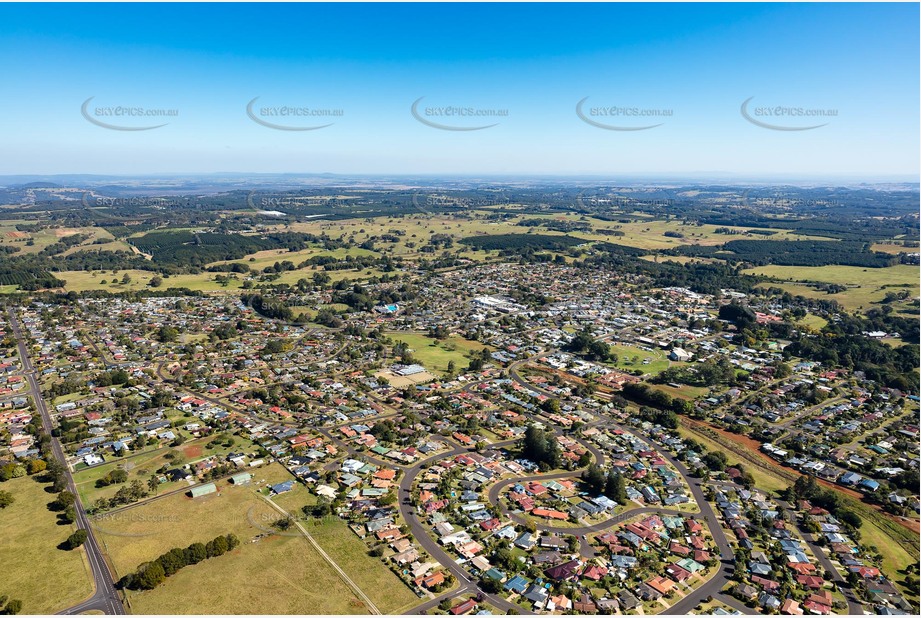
point(436, 354)
point(870, 284)
point(32, 568)
point(384, 588)
point(632, 357)
point(276, 574)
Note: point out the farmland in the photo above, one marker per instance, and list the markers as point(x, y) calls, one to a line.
point(32, 568)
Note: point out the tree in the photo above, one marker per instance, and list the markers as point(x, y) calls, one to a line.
point(156, 281)
point(76, 539)
point(195, 553)
point(64, 499)
point(217, 547)
point(167, 334)
point(6, 499)
point(172, 561)
point(12, 607)
point(150, 575)
point(615, 488)
point(594, 479)
point(36, 465)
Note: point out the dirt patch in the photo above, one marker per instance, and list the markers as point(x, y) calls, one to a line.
point(17, 235)
point(62, 232)
point(192, 452)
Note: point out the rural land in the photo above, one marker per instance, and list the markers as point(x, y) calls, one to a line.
point(347, 395)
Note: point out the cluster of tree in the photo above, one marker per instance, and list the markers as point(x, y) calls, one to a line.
point(644, 394)
point(845, 225)
point(116, 376)
point(273, 309)
point(185, 249)
point(114, 477)
point(14, 470)
point(892, 367)
point(128, 494)
point(151, 574)
point(807, 488)
point(611, 484)
point(479, 359)
point(64, 243)
point(360, 298)
point(709, 373)
point(584, 344)
point(540, 446)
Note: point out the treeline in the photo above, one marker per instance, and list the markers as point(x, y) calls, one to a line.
point(844, 226)
point(558, 225)
point(516, 242)
point(183, 248)
point(794, 253)
point(151, 574)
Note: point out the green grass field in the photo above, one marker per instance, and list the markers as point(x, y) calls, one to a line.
point(32, 569)
point(871, 281)
point(813, 321)
point(632, 357)
point(435, 355)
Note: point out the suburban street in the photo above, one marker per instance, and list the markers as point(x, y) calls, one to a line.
point(106, 598)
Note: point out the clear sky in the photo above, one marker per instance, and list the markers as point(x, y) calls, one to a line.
point(537, 62)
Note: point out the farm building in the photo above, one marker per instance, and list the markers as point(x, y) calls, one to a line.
point(203, 490)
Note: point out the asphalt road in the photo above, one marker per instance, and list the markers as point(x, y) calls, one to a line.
point(106, 598)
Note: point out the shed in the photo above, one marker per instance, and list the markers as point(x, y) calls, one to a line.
point(203, 490)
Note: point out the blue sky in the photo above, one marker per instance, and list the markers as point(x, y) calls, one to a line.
point(696, 62)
